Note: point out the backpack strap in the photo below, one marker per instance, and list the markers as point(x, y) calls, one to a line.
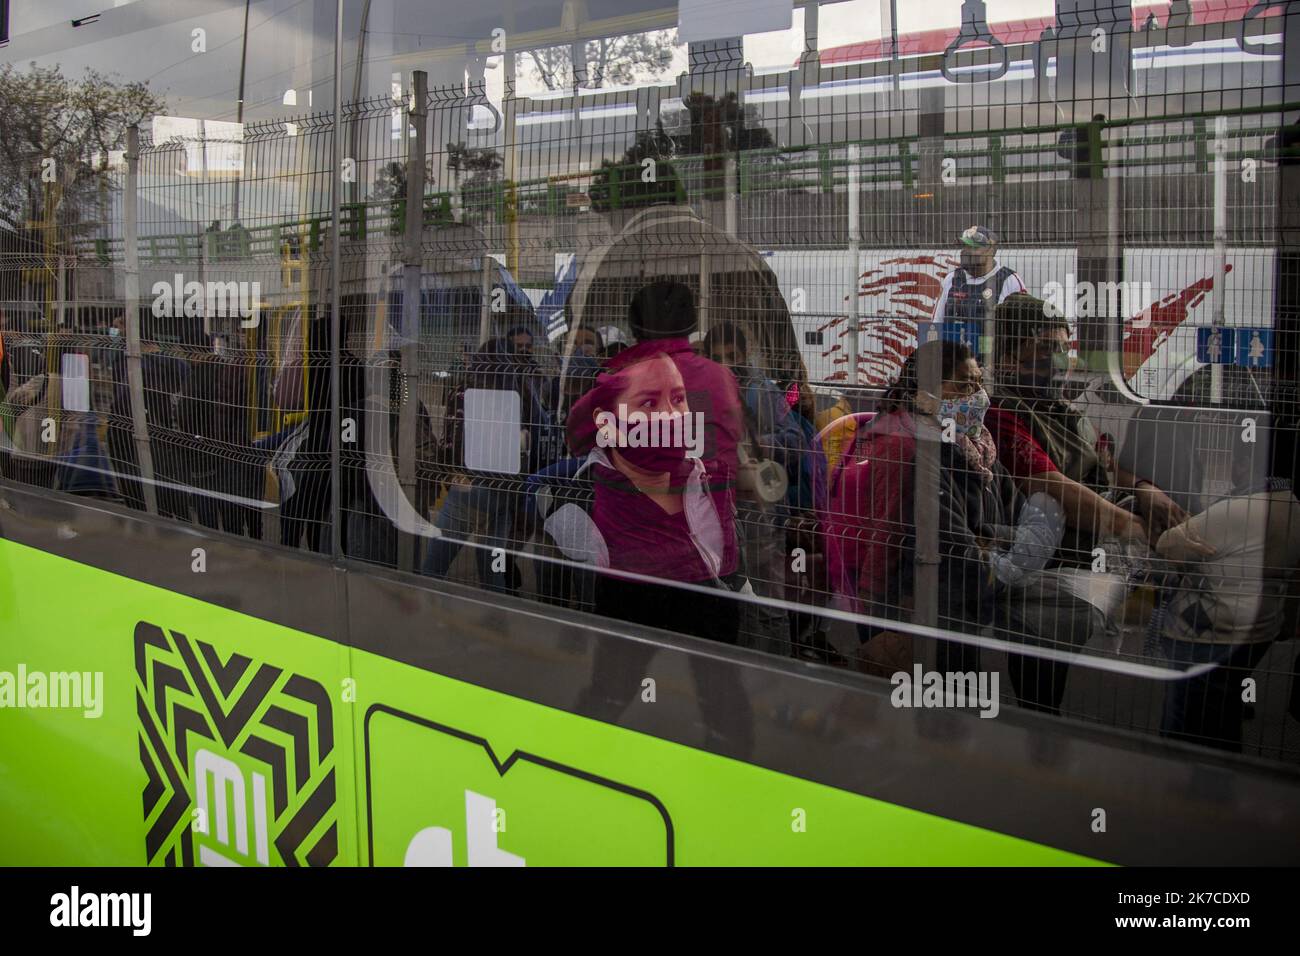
point(999, 280)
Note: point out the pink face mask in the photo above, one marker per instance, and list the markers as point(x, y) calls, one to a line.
point(661, 447)
point(644, 420)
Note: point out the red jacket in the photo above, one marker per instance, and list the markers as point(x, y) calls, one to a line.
point(870, 512)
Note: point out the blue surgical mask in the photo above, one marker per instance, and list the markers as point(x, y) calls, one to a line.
point(114, 332)
point(966, 413)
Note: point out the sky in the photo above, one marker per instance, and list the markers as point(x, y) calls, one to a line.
point(859, 19)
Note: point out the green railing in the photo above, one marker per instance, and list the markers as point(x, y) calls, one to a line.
point(1007, 154)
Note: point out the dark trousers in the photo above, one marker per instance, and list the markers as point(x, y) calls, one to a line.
point(227, 480)
point(304, 518)
point(619, 667)
point(1042, 611)
point(1207, 709)
point(714, 615)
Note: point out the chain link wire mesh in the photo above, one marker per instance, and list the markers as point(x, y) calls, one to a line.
point(814, 217)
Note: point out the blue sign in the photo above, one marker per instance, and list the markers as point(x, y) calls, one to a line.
point(1214, 345)
point(1255, 348)
point(968, 332)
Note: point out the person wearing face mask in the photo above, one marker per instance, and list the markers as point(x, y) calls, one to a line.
point(662, 316)
point(652, 511)
point(478, 504)
point(994, 543)
point(112, 353)
point(1049, 446)
point(655, 524)
point(558, 483)
point(971, 291)
point(586, 342)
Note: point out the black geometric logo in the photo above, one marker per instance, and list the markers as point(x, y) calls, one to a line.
point(193, 705)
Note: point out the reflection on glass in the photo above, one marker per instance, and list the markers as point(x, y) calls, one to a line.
point(873, 315)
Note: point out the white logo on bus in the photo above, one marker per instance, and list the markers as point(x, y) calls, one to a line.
point(432, 846)
point(225, 772)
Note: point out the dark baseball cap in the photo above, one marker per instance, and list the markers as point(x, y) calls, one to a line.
point(979, 237)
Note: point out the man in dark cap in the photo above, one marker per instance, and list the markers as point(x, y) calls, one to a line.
point(979, 283)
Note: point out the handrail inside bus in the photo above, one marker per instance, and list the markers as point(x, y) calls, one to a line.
point(974, 29)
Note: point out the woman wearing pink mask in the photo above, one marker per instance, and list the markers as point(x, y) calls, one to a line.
point(654, 514)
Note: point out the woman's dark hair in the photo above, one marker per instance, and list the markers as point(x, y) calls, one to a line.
point(492, 366)
point(582, 373)
point(902, 393)
point(727, 333)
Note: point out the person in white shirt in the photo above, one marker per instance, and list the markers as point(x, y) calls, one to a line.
point(979, 283)
point(1227, 607)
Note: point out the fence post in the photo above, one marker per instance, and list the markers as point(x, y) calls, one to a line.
point(730, 179)
point(336, 277)
point(1220, 245)
point(412, 268)
point(855, 243)
point(932, 227)
point(1284, 400)
point(131, 282)
point(1099, 204)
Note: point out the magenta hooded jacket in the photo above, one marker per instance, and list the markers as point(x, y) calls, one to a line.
point(642, 538)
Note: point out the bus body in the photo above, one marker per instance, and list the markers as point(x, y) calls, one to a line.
point(222, 637)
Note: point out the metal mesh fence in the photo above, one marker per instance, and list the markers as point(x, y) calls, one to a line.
point(763, 254)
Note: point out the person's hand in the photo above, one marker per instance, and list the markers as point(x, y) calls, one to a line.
point(1160, 511)
point(1127, 526)
point(1183, 543)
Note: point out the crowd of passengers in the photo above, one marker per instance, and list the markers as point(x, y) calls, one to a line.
point(737, 531)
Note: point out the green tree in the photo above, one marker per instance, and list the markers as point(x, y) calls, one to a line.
point(472, 160)
point(623, 184)
point(719, 125)
point(478, 173)
point(609, 61)
point(58, 134)
point(390, 185)
point(715, 127)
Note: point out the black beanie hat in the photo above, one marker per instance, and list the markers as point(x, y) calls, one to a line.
point(662, 310)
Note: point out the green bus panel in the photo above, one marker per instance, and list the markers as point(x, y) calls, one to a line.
point(226, 740)
point(187, 686)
